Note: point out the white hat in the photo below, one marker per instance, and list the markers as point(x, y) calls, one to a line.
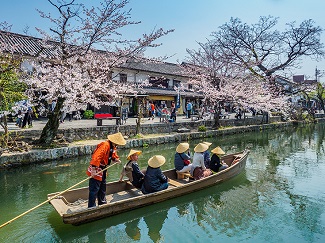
point(117, 138)
point(207, 143)
point(217, 150)
point(201, 147)
point(156, 161)
point(132, 152)
point(182, 147)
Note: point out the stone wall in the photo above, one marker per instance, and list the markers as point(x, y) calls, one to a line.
point(38, 156)
point(101, 132)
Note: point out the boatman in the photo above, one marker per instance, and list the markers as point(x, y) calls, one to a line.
point(104, 155)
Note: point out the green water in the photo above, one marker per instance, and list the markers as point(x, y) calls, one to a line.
point(280, 197)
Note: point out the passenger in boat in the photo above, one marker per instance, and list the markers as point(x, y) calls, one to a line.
point(104, 155)
point(199, 170)
point(132, 170)
point(216, 164)
point(154, 179)
point(182, 159)
point(206, 155)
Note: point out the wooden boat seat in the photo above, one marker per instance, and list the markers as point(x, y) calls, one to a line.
point(183, 175)
point(175, 183)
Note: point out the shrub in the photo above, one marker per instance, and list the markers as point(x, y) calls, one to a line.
point(202, 128)
point(88, 114)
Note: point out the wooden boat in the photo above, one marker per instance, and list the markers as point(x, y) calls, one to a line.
point(122, 196)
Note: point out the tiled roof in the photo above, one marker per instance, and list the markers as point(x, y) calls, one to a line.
point(155, 67)
point(28, 45)
point(170, 92)
point(32, 46)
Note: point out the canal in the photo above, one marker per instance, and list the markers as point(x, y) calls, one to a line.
point(280, 197)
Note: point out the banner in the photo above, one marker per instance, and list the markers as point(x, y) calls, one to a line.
point(178, 101)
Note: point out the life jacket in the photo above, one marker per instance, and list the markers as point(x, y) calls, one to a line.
point(102, 156)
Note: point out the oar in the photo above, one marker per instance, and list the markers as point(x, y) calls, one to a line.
point(48, 200)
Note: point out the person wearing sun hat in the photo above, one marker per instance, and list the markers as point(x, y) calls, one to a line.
point(104, 154)
point(206, 155)
point(154, 179)
point(199, 170)
point(182, 160)
point(132, 170)
point(216, 164)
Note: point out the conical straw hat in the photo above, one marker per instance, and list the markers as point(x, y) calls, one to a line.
point(201, 147)
point(217, 150)
point(182, 147)
point(207, 143)
point(156, 161)
point(117, 138)
point(132, 152)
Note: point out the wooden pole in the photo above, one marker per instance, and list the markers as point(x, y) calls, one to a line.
point(48, 200)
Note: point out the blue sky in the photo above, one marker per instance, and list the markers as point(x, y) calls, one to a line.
point(193, 20)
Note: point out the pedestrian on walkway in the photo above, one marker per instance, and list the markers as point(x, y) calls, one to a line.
point(19, 119)
point(189, 108)
point(173, 111)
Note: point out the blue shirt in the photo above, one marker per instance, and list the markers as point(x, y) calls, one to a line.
point(179, 160)
point(189, 106)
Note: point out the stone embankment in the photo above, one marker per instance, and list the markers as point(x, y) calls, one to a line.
point(87, 147)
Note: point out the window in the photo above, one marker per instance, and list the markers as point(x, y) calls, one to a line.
point(176, 83)
point(123, 77)
point(158, 82)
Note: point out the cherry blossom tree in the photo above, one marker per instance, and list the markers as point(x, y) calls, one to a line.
point(239, 62)
point(85, 46)
point(245, 91)
point(262, 48)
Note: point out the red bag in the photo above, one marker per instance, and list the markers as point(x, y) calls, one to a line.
point(187, 162)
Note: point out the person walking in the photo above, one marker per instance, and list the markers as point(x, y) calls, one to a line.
point(173, 111)
point(189, 108)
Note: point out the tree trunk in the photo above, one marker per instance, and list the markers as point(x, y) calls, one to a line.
point(138, 121)
point(6, 132)
point(322, 105)
point(217, 117)
point(51, 128)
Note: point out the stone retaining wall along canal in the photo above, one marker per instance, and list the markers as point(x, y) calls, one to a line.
point(101, 132)
point(37, 156)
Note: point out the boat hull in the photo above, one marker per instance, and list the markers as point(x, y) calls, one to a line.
point(122, 196)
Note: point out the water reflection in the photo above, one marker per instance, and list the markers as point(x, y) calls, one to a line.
point(132, 229)
point(155, 223)
point(279, 197)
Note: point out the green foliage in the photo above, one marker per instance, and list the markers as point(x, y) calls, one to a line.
point(11, 88)
point(137, 136)
point(308, 118)
point(202, 128)
point(276, 113)
point(145, 145)
point(89, 114)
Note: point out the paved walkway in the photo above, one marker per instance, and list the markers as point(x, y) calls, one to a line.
point(85, 123)
point(39, 124)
